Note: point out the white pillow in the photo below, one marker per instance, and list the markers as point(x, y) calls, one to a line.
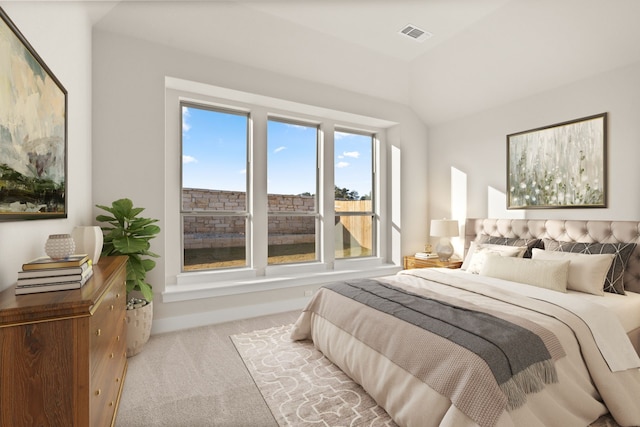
point(587, 272)
point(477, 253)
point(541, 273)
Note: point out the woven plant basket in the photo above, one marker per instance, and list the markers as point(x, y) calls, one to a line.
point(138, 328)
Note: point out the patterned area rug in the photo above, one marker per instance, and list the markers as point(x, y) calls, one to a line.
point(303, 388)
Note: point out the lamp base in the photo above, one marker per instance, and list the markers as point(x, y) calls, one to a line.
point(444, 249)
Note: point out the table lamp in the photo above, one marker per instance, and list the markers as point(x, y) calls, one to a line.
point(444, 228)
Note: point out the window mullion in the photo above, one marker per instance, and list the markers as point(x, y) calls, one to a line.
point(258, 191)
point(327, 208)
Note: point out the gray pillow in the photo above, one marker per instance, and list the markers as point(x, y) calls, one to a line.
point(614, 281)
point(513, 241)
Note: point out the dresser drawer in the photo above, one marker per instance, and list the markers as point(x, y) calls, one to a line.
point(105, 389)
point(108, 352)
point(107, 325)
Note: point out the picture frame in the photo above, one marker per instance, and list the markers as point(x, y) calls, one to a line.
point(33, 132)
point(559, 166)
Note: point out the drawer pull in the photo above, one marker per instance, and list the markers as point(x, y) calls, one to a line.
point(118, 338)
point(111, 356)
point(111, 403)
point(99, 332)
point(111, 307)
point(98, 392)
point(118, 380)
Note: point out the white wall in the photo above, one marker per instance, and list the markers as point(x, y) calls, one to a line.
point(129, 155)
point(61, 34)
point(476, 146)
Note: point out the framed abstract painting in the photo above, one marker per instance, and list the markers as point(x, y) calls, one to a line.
point(33, 132)
point(558, 166)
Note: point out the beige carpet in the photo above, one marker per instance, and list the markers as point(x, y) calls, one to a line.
point(303, 388)
point(195, 378)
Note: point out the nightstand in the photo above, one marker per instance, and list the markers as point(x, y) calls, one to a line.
point(413, 262)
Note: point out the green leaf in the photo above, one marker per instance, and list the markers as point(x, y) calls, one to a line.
point(147, 292)
point(127, 234)
point(128, 245)
point(105, 218)
point(148, 264)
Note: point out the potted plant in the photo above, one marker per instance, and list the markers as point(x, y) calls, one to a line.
point(129, 235)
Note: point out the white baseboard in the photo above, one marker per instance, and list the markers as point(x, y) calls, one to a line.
point(176, 323)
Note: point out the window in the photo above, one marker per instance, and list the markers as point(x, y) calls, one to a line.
point(267, 196)
point(354, 192)
point(292, 171)
point(214, 188)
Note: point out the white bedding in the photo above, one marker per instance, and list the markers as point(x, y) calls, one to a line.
point(605, 325)
point(572, 402)
point(625, 307)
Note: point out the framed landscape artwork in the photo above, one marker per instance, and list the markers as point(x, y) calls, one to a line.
point(558, 166)
point(33, 132)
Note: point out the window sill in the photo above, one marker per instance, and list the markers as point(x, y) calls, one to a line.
point(210, 285)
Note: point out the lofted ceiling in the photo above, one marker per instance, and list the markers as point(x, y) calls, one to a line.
point(482, 54)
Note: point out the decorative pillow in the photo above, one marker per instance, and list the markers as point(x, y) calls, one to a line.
point(474, 245)
point(478, 252)
point(587, 273)
point(622, 251)
point(513, 241)
point(541, 273)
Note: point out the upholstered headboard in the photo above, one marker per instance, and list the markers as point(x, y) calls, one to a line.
point(564, 231)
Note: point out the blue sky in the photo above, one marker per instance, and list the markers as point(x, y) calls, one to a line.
point(214, 155)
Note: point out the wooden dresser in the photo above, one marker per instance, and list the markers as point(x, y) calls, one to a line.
point(62, 360)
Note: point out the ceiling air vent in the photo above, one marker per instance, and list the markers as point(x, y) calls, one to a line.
point(415, 33)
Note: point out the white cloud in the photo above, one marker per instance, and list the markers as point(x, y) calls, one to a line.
point(189, 159)
point(354, 154)
point(295, 126)
point(340, 135)
point(342, 164)
point(243, 172)
point(185, 116)
point(279, 149)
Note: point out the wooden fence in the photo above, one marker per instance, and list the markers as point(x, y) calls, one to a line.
point(355, 229)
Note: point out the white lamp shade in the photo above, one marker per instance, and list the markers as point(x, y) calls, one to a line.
point(444, 227)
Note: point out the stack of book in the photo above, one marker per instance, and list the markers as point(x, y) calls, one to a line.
point(45, 274)
point(425, 255)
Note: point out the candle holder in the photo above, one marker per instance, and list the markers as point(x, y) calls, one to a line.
point(60, 246)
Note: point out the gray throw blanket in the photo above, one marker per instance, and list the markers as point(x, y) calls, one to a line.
point(516, 356)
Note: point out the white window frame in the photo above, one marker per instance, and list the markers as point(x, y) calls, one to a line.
point(258, 276)
point(217, 213)
point(375, 185)
point(318, 190)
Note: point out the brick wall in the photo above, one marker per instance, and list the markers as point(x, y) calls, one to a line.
point(209, 231)
point(199, 231)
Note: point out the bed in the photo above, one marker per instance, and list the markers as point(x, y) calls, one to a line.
point(524, 335)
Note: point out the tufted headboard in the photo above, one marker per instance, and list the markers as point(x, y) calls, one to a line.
point(564, 231)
